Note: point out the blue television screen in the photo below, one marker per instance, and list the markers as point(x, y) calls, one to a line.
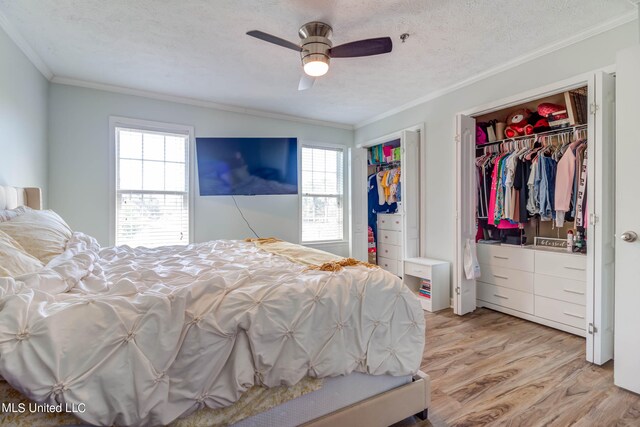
point(247, 166)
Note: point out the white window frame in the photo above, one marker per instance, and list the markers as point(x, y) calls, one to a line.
point(345, 192)
point(150, 126)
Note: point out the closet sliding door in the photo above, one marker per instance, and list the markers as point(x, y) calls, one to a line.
point(358, 208)
point(601, 240)
point(464, 294)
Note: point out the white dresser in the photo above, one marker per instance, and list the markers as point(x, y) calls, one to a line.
point(543, 286)
point(389, 250)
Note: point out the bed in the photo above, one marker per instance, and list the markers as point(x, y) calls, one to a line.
point(160, 336)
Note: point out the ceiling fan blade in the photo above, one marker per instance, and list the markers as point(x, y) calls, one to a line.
point(306, 82)
point(367, 47)
point(275, 40)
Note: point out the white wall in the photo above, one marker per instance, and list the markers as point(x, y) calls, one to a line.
point(439, 117)
point(79, 162)
point(23, 119)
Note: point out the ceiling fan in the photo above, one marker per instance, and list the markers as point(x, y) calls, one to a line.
point(316, 50)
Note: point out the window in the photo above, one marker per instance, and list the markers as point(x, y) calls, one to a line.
point(322, 194)
point(152, 187)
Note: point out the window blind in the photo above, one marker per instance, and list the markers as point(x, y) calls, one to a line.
point(322, 171)
point(152, 188)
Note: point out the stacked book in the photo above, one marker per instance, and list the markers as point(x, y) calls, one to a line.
point(425, 289)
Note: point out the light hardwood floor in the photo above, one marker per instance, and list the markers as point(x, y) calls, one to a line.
point(491, 369)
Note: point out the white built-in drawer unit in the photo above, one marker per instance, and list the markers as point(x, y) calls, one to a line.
point(561, 312)
point(568, 290)
point(390, 222)
point(543, 286)
point(389, 245)
point(389, 251)
point(568, 266)
point(391, 265)
point(509, 298)
point(507, 277)
point(389, 237)
point(506, 256)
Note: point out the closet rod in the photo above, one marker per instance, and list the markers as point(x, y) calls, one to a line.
point(534, 135)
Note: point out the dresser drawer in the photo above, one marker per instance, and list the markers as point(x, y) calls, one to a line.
point(561, 311)
point(505, 297)
point(417, 270)
point(389, 237)
point(390, 222)
point(504, 256)
point(562, 265)
point(568, 290)
point(507, 277)
point(389, 251)
point(391, 265)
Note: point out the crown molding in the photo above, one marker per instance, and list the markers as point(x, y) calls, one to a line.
point(196, 102)
point(576, 38)
point(25, 47)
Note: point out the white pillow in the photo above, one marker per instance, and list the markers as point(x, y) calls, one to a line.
point(42, 234)
point(14, 261)
point(9, 214)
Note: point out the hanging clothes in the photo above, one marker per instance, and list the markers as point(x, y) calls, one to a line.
point(375, 207)
point(566, 183)
point(533, 202)
point(388, 182)
point(495, 210)
point(547, 188)
point(578, 168)
point(581, 203)
point(523, 169)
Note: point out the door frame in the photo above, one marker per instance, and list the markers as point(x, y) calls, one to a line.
point(422, 166)
point(584, 79)
point(540, 92)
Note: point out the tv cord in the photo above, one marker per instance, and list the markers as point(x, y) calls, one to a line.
point(245, 219)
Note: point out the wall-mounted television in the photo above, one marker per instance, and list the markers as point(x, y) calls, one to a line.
point(247, 166)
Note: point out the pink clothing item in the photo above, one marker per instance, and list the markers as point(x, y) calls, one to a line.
point(505, 225)
point(491, 212)
point(565, 175)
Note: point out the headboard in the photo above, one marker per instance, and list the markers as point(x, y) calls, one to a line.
point(12, 197)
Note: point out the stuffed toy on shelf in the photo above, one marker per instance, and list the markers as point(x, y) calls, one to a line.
point(518, 124)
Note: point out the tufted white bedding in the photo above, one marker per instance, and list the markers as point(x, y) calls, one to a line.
point(143, 336)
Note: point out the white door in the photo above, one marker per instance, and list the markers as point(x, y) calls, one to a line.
point(359, 226)
point(627, 246)
point(464, 295)
point(410, 192)
point(600, 232)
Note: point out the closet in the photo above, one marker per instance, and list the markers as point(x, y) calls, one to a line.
point(385, 200)
point(535, 172)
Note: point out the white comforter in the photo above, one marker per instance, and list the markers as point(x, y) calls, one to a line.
point(143, 336)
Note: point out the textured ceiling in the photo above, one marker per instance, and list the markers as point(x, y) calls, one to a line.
point(198, 48)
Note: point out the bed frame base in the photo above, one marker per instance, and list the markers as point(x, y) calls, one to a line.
point(423, 415)
point(385, 408)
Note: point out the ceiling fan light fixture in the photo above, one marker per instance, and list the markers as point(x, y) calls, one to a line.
point(316, 49)
point(316, 68)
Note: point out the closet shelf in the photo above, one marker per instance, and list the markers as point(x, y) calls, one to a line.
point(519, 138)
point(393, 162)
